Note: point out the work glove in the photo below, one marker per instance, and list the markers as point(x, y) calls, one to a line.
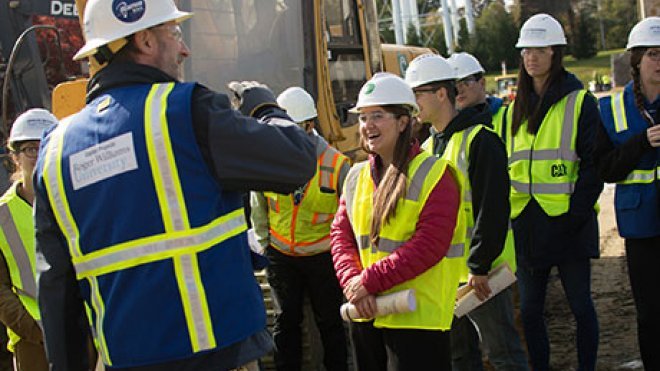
point(250, 97)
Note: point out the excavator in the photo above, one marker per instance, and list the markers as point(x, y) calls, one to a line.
point(329, 47)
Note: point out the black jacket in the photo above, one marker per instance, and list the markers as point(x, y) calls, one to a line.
point(541, 240)
point(489, 181)
point(242, 153)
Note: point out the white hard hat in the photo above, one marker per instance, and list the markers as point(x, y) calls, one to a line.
point(541, 30)
point(385, 89)
point(428, 68)
point(298, 104)
point(464, 65)
point(645, 33)
point(30, 125)
point(110, 20)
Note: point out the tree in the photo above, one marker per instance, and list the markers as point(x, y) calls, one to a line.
point(412, 38)
point(583, 45)
point(495, 38)
point(619, 16)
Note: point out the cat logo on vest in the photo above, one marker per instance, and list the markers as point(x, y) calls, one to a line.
point(558, 170)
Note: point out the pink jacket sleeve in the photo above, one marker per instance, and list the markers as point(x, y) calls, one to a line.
point(428, 245)
point(345, 253)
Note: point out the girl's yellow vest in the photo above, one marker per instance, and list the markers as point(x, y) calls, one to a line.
point(435, 289)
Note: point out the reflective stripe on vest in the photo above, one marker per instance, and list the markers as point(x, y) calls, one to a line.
point(179, 242)
point(456, 249)
point(52, 174)
point(545, 166)
point(642, 176)
point(435, 287)
point(299, 225)
point(460, 154)
point(26, 283)
point(619, 113)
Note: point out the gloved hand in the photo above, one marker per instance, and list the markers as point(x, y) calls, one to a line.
point(250, 96)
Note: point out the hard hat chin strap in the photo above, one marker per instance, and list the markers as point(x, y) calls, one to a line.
point(105, 53)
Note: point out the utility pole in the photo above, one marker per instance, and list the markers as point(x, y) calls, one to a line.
point(397, 22)
point(469, 16)
point(446, 22)
point(454, 21)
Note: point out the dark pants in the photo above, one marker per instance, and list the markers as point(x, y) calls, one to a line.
point(643, 256)
point(290, 278)
point(380, 349)
point(30, 356)
point(575, 277)
point(6, 358)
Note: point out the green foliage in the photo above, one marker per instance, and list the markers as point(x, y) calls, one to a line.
point(619, 16)
point(463, 36)
point(495, 38)
point(411, 36)
point(584, 37)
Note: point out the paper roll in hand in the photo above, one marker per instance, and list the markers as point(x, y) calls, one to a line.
point(398, 302)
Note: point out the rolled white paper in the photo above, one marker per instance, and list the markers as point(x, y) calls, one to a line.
point(398, 302)
point(498, 279)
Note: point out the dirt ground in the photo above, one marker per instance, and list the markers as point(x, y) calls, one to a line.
point(614, 305)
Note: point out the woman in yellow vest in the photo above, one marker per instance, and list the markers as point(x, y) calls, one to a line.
point(549, 135)
point(18, 289)
point(394, 231)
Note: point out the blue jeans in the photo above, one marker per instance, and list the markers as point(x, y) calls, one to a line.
point(493, 320)
point(575, 277)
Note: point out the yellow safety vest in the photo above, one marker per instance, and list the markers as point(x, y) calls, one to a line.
point(435, 289)
point(17, 245)
point(300, 224)
point(457, 152)
point(545, 165)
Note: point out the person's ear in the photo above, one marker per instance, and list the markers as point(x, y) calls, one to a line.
point(144, 41)
point(441, 93)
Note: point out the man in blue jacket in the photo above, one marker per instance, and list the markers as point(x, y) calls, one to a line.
point(139, 215)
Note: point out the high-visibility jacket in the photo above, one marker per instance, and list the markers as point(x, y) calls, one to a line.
point(636, 200)
point(457, 152)
point(158, 246)
point(435, 289)
point(300, 223)
point(544, 166)
point(17, 246)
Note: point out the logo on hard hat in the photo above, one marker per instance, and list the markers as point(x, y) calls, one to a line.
point(128, 11)
point(369, 88)
point(655, 30)
point(535, 33)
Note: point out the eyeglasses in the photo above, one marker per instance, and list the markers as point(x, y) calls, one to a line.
point(653, 54)
point(539, 52)
point(173, 30)
point(464, 83)
point(419, 92)
point(29, 151)
point(374, 116)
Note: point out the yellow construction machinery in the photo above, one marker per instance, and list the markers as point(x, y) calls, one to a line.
point(329, 47)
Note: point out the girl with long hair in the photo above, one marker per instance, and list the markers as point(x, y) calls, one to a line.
point(549, 131)
point(628, 154)
point(394, 231)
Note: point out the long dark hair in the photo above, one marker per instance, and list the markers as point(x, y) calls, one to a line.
point(393, 185)
point(522, 109)
point(635, 59)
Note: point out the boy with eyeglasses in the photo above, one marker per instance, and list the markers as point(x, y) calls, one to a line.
point(465, 138)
